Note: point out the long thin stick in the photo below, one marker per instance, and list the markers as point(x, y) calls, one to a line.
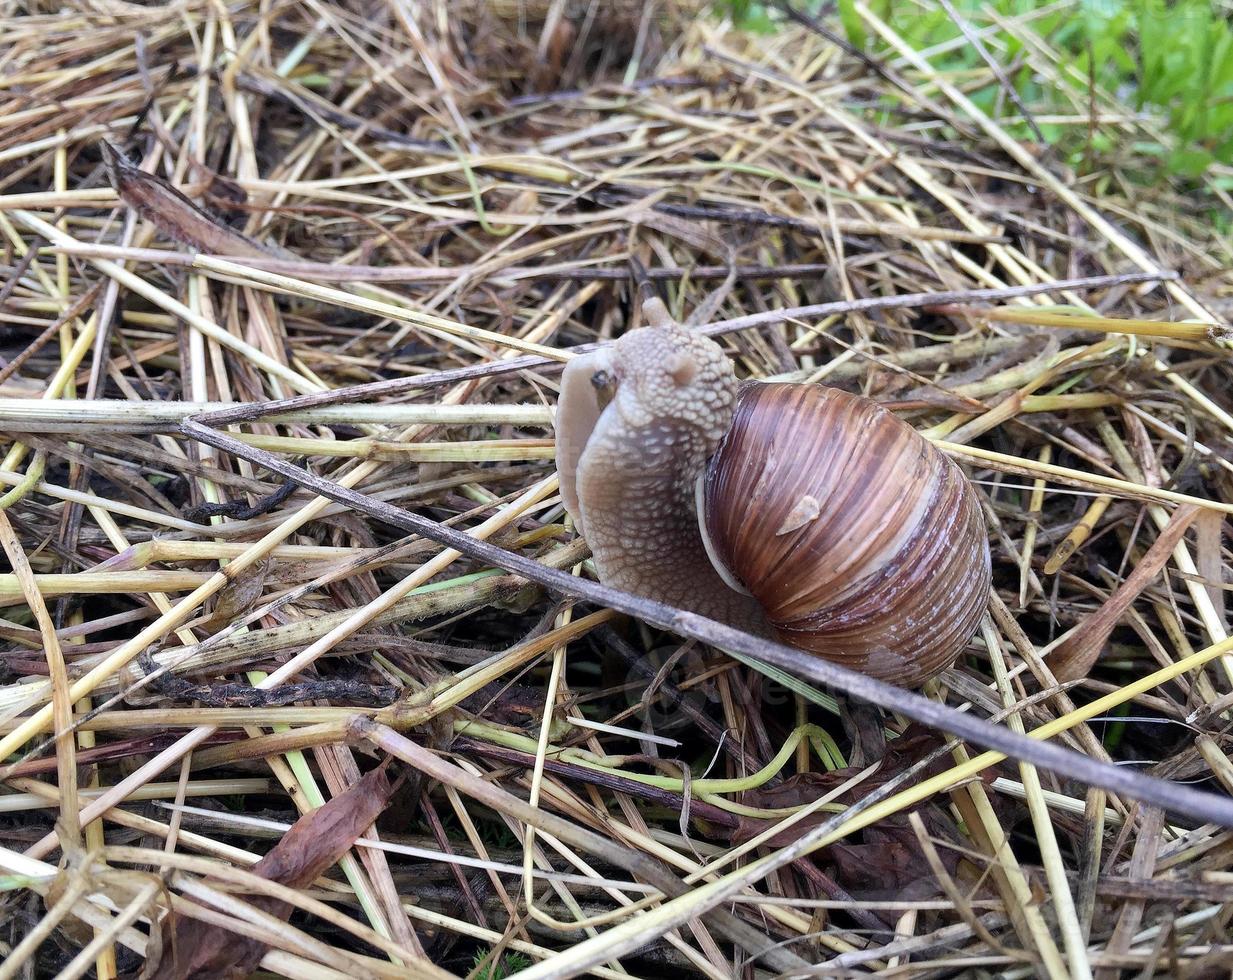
point(365, 392)
point(1121, 780)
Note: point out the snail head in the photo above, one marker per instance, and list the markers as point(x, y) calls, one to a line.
point(659, 396)
point(670, 376)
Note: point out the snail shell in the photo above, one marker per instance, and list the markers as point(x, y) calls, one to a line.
point(861, 542)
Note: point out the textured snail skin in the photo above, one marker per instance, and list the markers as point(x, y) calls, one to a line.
point(860, 541)
point(627, 472)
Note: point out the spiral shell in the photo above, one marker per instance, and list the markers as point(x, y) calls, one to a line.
point(862, 542)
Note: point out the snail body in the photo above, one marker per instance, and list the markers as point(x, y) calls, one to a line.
point(795, 511)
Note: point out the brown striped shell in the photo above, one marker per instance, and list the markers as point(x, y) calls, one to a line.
point(862, 542)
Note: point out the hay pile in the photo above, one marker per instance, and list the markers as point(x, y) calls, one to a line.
point(401, 216)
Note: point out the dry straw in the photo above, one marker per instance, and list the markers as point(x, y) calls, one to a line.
point(284, 296)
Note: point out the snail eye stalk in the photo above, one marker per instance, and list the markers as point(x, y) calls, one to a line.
point(604, 384)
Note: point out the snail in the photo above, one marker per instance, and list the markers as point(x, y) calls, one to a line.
point(795, 511)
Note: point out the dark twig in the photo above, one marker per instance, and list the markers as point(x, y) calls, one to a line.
point(1180, 799)
point(756, 216)
point(237, 510)
point(434, 276)
point(336, 690)
point(396, 386)
point(32, 251)
point(41, 341)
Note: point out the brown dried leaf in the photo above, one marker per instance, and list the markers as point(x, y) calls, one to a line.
point(239, 594)
point(172, 213)
point(889, 861)
point(890, 868)
point(1208, 559)
point(318, 839)
point(315, 842)
point(555, 47)
point(1075, 656)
